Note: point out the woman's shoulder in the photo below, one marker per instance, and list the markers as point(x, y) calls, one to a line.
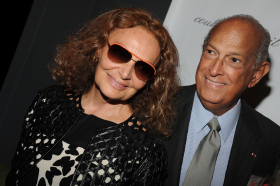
point(148, 147)
point(55, 92)
point(53, 89)
point(53, 96)
point(135, 128)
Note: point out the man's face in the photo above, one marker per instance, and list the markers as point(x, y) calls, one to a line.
point(226, 66)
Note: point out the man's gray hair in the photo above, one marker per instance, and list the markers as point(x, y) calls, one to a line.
point(261, 54)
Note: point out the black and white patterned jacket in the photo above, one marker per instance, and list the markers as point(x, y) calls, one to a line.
point(137, 157)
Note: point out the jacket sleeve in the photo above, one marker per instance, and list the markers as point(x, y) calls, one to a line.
point(17, 164)
point(153, 170)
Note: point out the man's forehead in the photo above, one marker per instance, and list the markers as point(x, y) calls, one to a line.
point(236, 32)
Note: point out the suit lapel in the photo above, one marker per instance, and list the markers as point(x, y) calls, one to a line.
point(176, 144)
point(245, 148)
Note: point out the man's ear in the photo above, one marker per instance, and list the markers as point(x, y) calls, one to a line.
point(261, 71)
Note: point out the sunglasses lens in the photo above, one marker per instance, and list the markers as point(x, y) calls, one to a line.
point(143, 70)
point(118, 54)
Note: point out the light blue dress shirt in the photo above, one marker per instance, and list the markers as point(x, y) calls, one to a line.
point(198, 129)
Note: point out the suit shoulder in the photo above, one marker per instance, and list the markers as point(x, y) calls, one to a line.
point(263, 120)
point(184, 94)
point(266, 121)
point(187, 88)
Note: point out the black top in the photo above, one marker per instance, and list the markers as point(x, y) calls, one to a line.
point(58, 166)
point(119, 154)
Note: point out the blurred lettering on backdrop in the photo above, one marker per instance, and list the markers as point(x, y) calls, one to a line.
point(189, 21)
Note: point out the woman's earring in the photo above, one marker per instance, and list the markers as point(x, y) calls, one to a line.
point(95, 59)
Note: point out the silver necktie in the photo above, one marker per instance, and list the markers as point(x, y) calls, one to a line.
point(202, 166)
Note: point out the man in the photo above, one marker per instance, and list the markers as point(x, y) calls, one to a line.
point(234, 57)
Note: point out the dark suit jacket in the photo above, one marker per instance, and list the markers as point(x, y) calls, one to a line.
point(255, 148)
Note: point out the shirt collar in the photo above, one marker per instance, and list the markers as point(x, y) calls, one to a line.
point(227, 121)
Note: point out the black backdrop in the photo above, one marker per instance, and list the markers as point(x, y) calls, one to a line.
point(12, 26)
point(48, 23)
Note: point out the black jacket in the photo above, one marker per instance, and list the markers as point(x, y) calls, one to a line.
point(255, 149)
point(133, 152)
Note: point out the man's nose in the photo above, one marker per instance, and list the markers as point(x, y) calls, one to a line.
point(217, 67)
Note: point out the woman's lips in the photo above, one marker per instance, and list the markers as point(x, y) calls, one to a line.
point(116, 84)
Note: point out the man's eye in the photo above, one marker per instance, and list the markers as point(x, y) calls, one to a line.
point(235, 60)
point(210, 51)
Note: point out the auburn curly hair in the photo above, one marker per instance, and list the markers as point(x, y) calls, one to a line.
point(74, 65)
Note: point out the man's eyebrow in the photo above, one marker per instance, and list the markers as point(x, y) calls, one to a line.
point(235, 53)
point(231, 53)
point(211, 46)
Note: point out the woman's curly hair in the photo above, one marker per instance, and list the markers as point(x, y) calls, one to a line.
point(75, 63)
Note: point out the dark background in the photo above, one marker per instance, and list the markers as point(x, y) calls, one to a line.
point(12, 26)
point(31, 31)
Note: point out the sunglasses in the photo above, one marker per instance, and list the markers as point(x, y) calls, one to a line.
point(119, 54)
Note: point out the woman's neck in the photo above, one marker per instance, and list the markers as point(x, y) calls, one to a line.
point(94, 103)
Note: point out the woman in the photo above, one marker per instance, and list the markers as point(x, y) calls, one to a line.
point(102, 127)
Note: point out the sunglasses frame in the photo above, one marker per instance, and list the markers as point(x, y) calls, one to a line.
point(140, 59)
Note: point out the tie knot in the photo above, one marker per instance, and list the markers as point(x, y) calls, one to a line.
point(214, 124)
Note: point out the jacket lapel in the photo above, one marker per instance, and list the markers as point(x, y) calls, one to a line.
point(245, 148)
point(176, 144)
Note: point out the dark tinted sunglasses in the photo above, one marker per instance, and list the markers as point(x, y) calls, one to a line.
point(119, 54)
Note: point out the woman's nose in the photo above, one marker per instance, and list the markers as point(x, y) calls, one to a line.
point(126, 69)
